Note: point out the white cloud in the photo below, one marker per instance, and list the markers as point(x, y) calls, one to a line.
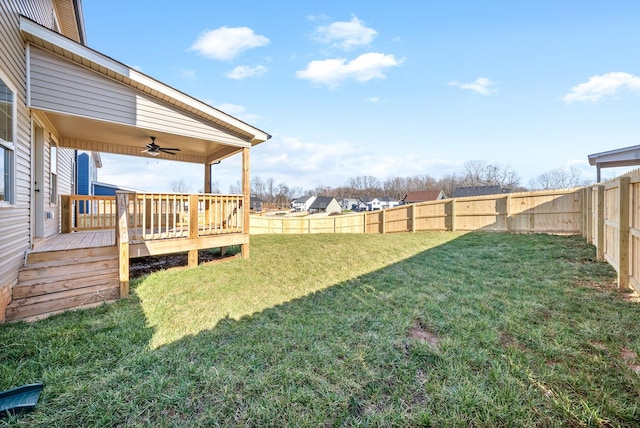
point(226, 43)
point(186, 74)
point(332, 72)
point(373, 100)
point(481, 86)
point(346, 35)
point(598, 87)
point(244, 71)
point(238, 111)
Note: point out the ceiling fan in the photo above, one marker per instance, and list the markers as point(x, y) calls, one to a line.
point(154, 150)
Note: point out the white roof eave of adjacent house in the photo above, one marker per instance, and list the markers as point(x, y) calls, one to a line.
point(626, 156)
point(87, 57)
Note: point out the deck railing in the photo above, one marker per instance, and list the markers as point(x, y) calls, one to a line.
point(83, 212)
point(157, 215)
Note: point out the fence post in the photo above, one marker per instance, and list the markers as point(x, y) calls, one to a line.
point(122, 239)
point(364, 223)
point(453, 215)
point(588, 214)
point(412, 211)
point(383, 224)
point(508, 213)
point(600, 223)
point(623, 224)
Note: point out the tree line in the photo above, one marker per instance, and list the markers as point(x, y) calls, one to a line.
point(474, 173)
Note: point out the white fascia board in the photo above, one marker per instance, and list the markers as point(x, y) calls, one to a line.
point(625, 153)
point(102, 61)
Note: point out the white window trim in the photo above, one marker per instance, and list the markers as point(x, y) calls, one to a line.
point(11, 145)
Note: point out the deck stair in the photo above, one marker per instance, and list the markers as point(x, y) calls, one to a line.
point(54, 281)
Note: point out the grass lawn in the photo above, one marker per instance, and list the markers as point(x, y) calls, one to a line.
point(424, 329)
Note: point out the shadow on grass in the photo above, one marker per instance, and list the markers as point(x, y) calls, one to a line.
point(518, 340)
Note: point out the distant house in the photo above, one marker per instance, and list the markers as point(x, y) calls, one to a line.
point(369, 204)
point(87, 170)
point(302, 204)
point(423, 196)
point(348, 203)
point(461, 192)
point(255, 204)
point(388, 202)
point(325, 204)
point(105, 189)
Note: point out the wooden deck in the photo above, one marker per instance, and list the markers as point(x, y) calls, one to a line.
point(76, 240)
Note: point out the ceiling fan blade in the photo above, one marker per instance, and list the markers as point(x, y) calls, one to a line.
point(162, 148)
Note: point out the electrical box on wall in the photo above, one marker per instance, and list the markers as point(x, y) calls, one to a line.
point(48, 215)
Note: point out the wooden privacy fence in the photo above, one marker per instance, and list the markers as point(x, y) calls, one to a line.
point(558, 211)
point(612, 225)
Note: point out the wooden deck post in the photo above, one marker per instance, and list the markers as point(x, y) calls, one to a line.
point(623, 224)
point(246, 191)
point(122, 241)
point(193, 229)
point(66, 216)
point(207, 178)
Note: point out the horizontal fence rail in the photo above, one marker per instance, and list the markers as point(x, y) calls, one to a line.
point(558, 211)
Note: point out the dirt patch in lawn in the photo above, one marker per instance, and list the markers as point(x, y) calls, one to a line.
point(421, 333)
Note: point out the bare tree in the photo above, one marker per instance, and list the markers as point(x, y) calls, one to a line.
point(236, 189)
point(448, 183)
point(180, 186)
point(258, 187)
point(560, 178)
point(481, 173)
point(364, 185)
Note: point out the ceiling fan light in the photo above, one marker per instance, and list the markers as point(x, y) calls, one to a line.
point(153, 153)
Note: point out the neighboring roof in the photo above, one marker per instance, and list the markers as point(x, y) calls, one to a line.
point(322, 202)
point(303, 200)
point(626, 156)
point(423, 196)
point(367, 199)
point(255, 199)
point(460, 192)
point(387, 199)
point(114, 186)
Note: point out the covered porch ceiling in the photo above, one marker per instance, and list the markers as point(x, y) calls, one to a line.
point(96, 103)
point(105, 137)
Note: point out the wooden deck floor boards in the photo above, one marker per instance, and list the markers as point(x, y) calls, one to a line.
point(70, 241)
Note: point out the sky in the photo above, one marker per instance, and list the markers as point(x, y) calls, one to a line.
point(386, 88)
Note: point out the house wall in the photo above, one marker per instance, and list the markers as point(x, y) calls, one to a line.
point(333, 207)
point(83, 92)
point(15, 220)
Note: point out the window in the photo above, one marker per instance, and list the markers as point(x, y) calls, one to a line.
point(6, 144)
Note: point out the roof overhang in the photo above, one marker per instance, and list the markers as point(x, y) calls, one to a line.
point(627, 156)
point(90, 132)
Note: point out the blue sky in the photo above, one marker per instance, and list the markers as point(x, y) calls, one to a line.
point(382, 88)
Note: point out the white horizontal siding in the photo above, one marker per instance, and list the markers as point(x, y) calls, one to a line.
point(62, 86)
point(15, 220)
